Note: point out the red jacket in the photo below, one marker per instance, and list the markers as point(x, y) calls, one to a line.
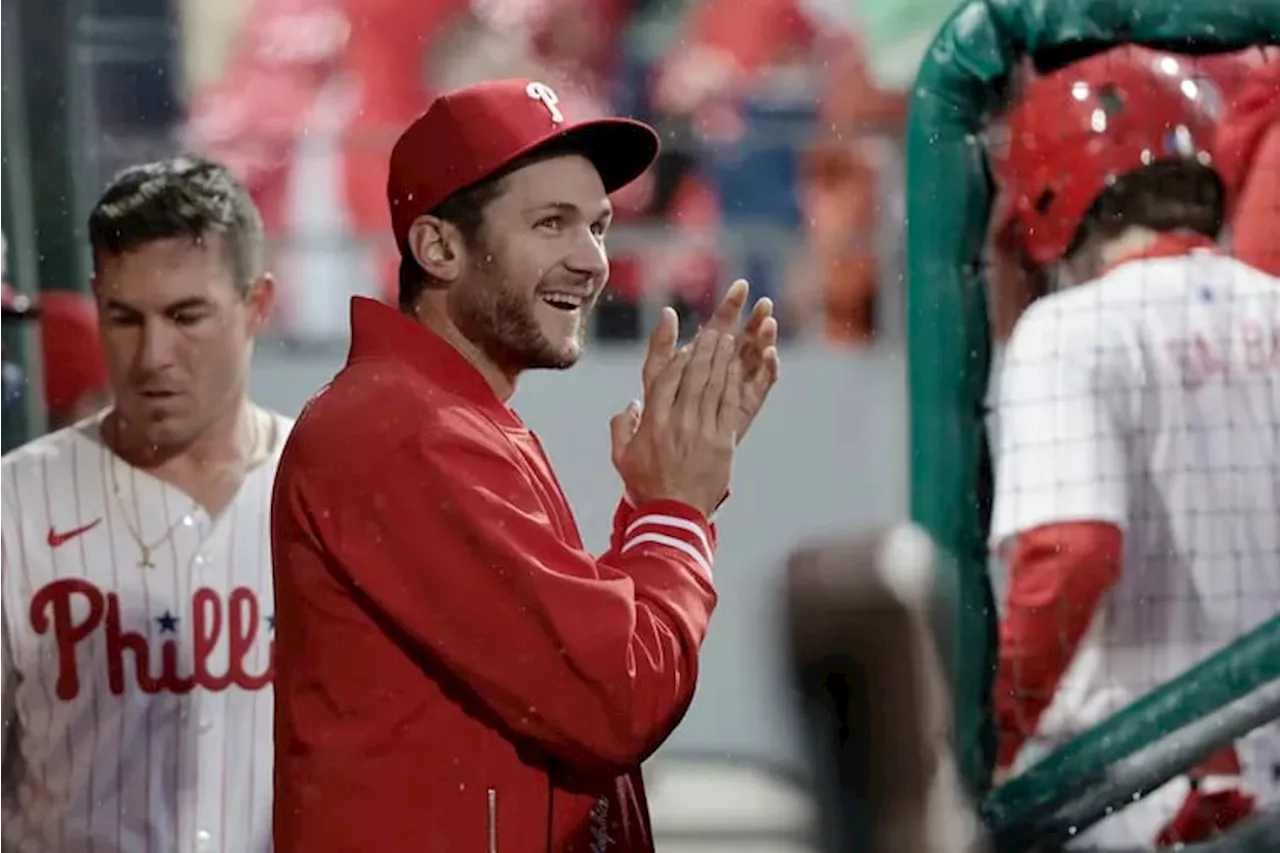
point(454, 672)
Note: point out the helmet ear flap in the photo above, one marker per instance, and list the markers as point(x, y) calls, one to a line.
point(1014, 280)
point(1110, 100)
point(1045, 200)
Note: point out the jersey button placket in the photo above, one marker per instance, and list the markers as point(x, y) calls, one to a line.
point(201, 565)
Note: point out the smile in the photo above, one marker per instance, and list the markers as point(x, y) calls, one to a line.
point(564, 301)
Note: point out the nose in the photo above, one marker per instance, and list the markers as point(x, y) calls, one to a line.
point(156, 346)
point(588, 257)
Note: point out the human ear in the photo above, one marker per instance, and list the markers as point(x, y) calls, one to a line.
point(437, 247)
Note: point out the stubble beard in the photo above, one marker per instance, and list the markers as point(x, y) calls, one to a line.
point(504, 324)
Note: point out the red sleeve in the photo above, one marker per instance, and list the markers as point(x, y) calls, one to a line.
point(1249, 112)
point(596, 660)
point(1256, 217)
point(1246, 153)
point(1058, 575)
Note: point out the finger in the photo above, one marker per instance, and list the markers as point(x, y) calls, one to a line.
point(661, 397)
point(727, 314)
point(761, 311)
point(756, 389)
point(662, 345)
point(694, 384)
point(772, 364)
point(750, 344)
point(622, 427)
point(717, 381)
point(751, 352)
point(765, 378)
point(730, 415)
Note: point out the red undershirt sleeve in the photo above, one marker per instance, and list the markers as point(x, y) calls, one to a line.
point(1058, 577)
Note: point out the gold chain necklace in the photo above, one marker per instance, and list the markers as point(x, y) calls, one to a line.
point(145, 561)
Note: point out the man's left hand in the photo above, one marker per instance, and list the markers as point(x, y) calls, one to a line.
point(757, 349)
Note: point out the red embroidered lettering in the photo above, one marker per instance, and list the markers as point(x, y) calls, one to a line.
point(206, 613)
point(1251, 349)
point(244, 617)
point(1255, 346)
point(170, 680)
point(53, 610)
point(1192, 364)
point(56, 599)
point(120, 641)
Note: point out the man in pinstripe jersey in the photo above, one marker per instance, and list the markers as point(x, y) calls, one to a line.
point(137, 598)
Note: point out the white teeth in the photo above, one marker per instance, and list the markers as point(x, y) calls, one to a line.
point(562, 299)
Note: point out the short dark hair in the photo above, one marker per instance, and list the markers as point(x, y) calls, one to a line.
point(1164, 196)
point(185, 197)
point(465, 210)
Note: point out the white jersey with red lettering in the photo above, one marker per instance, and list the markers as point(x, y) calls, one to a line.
point(137, 656)
point(1150, 399)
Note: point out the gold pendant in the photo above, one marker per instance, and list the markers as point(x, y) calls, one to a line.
point(146, 562)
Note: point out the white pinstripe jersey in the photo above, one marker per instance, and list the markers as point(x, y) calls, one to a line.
point(137, 701)
point(1150, 399)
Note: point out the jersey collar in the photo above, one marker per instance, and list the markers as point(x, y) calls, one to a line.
point(1169, 244)
point(380, 331)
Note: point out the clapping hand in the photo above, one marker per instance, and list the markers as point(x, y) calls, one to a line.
point(757, 348)
point(680, 447)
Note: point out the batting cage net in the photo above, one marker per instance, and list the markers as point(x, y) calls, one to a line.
point(1096, 415)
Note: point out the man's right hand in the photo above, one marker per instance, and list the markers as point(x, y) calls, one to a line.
point(680, 447)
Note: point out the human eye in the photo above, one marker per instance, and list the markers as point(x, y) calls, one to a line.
point(188, 316)
point(123, 318)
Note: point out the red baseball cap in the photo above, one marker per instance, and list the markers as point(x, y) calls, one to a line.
point(469, 134)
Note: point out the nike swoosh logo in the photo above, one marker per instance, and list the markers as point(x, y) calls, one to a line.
point(56, 539)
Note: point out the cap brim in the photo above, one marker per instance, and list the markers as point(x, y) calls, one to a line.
point(621, 149)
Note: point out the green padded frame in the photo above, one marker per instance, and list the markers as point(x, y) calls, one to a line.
point(949, 198)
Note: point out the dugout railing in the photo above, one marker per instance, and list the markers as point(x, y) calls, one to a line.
point(949, 193)
point(24, 262)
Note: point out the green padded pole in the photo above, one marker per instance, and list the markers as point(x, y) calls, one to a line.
point(949, 348)
point(1250, 663)
point(26, 418)
point(55, 118)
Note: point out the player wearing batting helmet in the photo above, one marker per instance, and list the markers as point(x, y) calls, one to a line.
point(455, 670)
point(1136, 504)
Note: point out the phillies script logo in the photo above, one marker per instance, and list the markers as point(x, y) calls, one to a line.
point(53, 609)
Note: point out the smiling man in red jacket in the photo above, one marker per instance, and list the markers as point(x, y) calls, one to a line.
point(454, 670)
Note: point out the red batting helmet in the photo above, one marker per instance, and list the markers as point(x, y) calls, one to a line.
point(73, 363)
point(1072, 133)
